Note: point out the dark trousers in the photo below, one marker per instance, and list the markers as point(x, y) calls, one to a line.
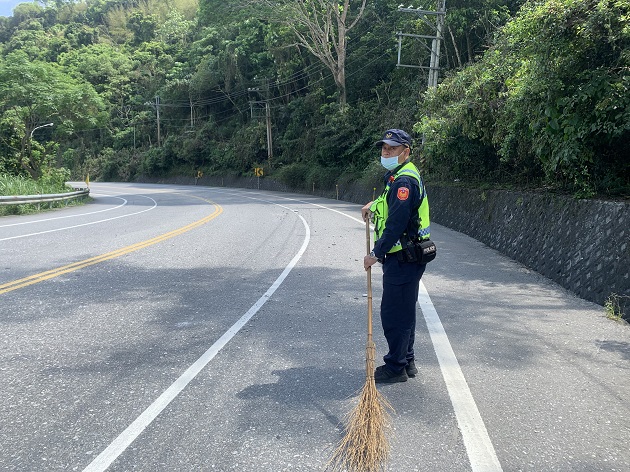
point(401, 281)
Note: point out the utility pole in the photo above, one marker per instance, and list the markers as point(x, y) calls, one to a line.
point(269, 138)
point(256, 105)
point(435, 46)
point(157, 108)
point(435, 20)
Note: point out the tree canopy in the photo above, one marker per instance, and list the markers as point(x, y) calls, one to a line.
point(549, 100)
point(531, 94)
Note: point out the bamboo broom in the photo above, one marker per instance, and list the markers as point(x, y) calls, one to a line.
point(365, 448)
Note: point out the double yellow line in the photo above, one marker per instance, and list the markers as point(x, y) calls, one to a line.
point(50, 274)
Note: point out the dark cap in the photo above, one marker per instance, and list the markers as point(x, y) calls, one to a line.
point(394, 137)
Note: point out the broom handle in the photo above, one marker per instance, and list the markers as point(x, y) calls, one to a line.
point(369, 281)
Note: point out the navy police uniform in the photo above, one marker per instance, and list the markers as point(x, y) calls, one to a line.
point(401, 279)
point(401, 214)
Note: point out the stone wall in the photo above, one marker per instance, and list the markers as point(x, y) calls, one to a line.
point(583, 245)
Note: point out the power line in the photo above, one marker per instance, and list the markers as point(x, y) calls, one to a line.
point(294, 78)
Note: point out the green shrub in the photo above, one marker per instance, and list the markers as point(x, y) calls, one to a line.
point(52, 181)
point(294, 175)
point(549, 100)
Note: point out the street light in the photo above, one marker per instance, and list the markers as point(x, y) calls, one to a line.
point(37, 127)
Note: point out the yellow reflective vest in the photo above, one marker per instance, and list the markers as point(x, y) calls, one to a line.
point(380, 208)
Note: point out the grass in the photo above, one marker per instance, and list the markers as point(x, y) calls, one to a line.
point(18, 185)
point(613, 306)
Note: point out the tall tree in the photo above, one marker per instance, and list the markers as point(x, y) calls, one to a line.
point(322, 27)
point(33, 93)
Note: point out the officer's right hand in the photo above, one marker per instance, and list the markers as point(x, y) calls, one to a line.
point(365, 211)
point(369, 261)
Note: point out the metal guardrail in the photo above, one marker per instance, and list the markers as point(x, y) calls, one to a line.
point(52, 197)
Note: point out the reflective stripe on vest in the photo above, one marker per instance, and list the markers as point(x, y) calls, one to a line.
point(381, 210)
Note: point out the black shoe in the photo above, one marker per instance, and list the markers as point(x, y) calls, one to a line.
point(382, 374)
point(411, 369)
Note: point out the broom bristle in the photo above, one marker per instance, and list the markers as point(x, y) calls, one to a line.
point(365, 447)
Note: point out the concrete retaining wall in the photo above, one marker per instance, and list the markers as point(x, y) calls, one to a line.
point(582, 245)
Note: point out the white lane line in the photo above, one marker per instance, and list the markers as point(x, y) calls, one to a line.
point(68, 216)
point(85, 224)
point(478, 445)
point(480, 450)
point(358, 220)
point(124, 440)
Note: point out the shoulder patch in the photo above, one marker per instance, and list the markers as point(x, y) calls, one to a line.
point(403, 193)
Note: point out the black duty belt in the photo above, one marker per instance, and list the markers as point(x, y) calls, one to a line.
point(398, 255)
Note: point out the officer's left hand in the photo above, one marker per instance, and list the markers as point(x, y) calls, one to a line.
point(369, 261)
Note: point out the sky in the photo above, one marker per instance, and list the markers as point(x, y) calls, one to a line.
point(6, 6)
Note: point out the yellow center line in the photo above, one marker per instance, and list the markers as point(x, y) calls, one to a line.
point(49, 274)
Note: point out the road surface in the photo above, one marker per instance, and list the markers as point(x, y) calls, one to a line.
point(173, 328)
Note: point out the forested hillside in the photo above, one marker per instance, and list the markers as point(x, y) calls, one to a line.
point(531, 94)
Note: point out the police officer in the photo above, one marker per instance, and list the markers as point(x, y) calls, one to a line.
point(400, 213)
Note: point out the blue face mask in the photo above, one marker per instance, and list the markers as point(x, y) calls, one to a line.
point(390, 163)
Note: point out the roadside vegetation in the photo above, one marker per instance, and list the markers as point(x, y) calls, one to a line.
point(616, 307)
point(532, 94)
point(52, 182)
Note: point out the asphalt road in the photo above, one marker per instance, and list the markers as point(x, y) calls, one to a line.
point(170, 328)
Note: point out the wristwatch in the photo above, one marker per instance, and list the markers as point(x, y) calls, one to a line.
point(374, 256)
